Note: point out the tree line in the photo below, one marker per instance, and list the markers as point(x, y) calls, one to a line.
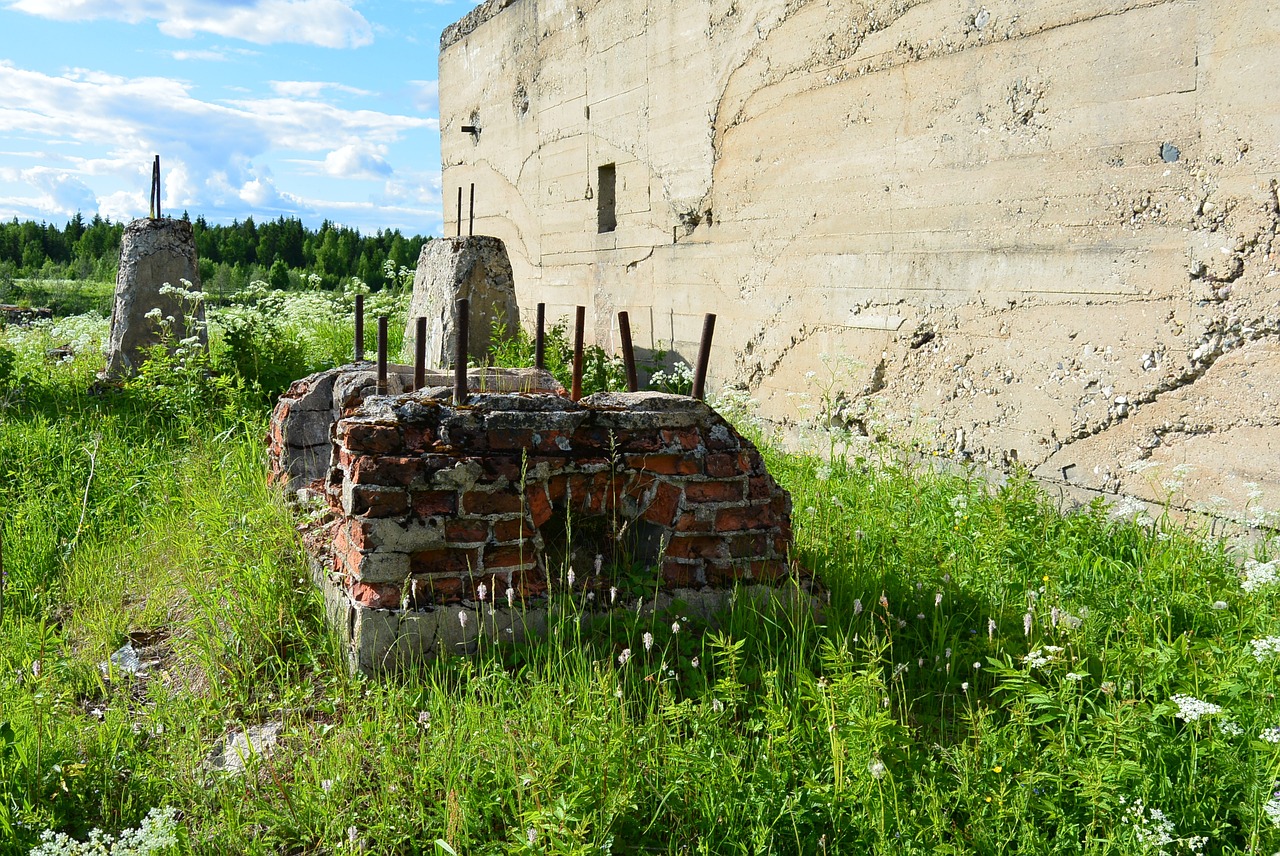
point(276, 251)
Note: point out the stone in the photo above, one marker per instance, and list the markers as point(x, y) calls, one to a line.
point(153, 254)
point(231, 754)
point(474, 267)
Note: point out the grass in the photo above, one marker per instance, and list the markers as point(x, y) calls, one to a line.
point(984, 675)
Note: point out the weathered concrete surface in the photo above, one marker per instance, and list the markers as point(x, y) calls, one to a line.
point(475, 267)
point(1025, 229)
point(153, 254)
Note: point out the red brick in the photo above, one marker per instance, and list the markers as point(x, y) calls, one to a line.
point(375, 595)
point(690, 522)
point(380, 439)
point(724, 573)
point(352, 534)
point(695, 547)
point(760, 487)
point(678, 575)
point(419, 438)
point(379, 501)
point(433, 503)
point(500, 558)
point(745, 517)
point(450, 560)
point(767, 571)
point(684, 438)
point(508, 467)
point(440, 590)
point(747, 546)
point(465, 531)
point(722, 465)
point(539, 505)
point(557, 489)
point(512, 528)
point(665, 464)
point(347, 559)
point(390, 471)
point(662, 510)
point(509, 439)
point(497, 502)
point(714, 491)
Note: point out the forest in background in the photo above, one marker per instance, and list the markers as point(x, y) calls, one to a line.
point(276, 251)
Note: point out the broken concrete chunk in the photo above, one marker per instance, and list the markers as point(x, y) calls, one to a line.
point(474, 267)
point(157, 292)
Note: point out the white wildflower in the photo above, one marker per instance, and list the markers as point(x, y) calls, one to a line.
point(937, 600)
point(624, 657)
point(695, 662)
point(877, 769)
point(511, 597)
point(1191, 708)
point(1230, 728)
point(1266, 647)
point(1272, 809)
point(647, 638)
point(1258, 575)
point(991, 628)
point(613, 594)
point(1271, 735)
point(482, 592)
point(462, 619)
point(675, 627)
point(571, 578)
point(857, 606)
point(1220, 605)
point(1026, 624)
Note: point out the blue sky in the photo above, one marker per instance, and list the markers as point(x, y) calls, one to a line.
point(309, 108)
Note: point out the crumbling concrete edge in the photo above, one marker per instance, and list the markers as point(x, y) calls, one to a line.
point(387, 641)
point(456, 32)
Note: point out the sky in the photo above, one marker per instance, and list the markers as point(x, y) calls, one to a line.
point(316, 109)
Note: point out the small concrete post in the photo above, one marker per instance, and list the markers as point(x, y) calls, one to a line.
point(158, 299)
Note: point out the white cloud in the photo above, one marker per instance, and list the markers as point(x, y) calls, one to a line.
point(357, 161)
point(61, 193)
point(327, 23)
point(213, 154)
point(312, 88)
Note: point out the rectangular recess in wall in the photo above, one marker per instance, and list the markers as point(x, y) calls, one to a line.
point(607, 198)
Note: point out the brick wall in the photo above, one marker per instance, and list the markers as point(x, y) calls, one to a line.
point(430, 501)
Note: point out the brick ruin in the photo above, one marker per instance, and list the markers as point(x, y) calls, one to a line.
point(429, 504)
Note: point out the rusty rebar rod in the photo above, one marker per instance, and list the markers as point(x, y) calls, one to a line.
point(704, 357)
point(420, 354)
point(459, 210)
point(382, 355)
point(155, 188)
point(540, 339)
point(461, 321)
point(628, 352)
point(579, 330)
point(471, 227)
point(359, 328)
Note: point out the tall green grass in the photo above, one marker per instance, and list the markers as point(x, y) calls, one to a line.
point(982, 674)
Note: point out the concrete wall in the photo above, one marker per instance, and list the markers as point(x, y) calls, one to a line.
point(1038, 230)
